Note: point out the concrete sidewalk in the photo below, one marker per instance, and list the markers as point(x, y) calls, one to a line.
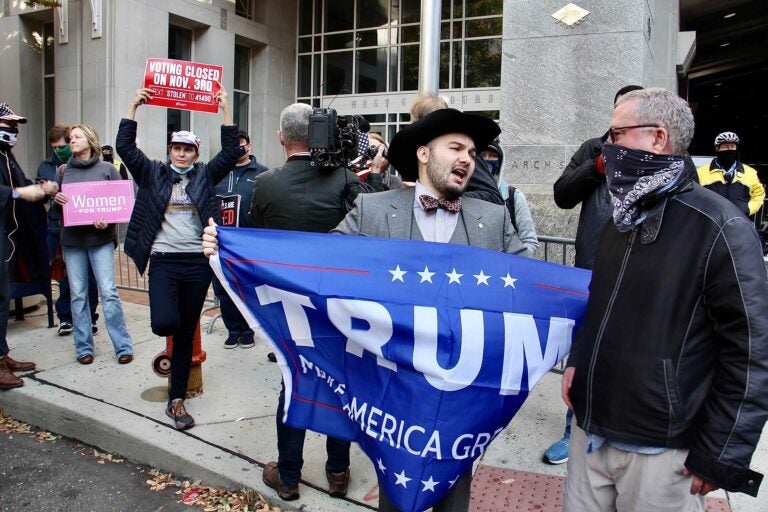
point(120, 409)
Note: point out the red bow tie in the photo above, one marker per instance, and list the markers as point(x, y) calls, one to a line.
point(430, 204)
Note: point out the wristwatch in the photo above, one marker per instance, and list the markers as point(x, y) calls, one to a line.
point(15, 194)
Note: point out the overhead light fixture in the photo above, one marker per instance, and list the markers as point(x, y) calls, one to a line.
point(729, 15)
point(724, 45)
point(718, 84)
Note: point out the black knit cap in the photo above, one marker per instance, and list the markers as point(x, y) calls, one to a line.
point(402, 150)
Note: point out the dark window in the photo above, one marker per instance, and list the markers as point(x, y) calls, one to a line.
point(304, 78)
point(372, 13)
point(372, 70)
point(484, 27)
point(410, 11)
point(409, 68)
point(180, 48)
point(339, 15)
point(338, 73)
point(339, 41)
point(305, 17)
point(483, 63)
point(484, 7)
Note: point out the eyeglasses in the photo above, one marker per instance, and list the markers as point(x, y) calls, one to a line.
point(612, 131)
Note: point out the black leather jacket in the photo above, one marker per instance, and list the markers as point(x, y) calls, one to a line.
point(673, 351)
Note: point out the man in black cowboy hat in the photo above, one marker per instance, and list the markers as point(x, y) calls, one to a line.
point(13, 187)
point(438, 152)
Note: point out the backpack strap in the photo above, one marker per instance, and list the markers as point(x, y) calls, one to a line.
point(510, 202)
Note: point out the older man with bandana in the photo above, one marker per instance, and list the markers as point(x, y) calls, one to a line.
point(668, 372)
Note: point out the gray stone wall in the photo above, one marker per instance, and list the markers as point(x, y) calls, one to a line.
point(558, 84)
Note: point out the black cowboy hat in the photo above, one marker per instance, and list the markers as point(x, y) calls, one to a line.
point(402, 150)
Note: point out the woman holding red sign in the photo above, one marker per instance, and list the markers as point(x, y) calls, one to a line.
point(174, 202)
point(91, 243)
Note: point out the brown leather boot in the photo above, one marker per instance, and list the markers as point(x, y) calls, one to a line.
point(7, 379)
point(18, 366)
point(338, 483)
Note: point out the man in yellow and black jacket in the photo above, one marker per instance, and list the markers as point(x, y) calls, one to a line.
point(730, 178)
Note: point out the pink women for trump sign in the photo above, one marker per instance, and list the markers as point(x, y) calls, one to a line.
point(89, 201)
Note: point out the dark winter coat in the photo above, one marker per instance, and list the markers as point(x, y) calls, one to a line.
point(240, 181)
point(155, 180)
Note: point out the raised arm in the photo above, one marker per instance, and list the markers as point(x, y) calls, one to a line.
point(125, 144)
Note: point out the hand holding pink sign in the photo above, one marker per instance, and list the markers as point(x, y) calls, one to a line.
point(96, 203)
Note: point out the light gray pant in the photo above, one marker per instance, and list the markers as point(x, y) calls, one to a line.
point(611, 480)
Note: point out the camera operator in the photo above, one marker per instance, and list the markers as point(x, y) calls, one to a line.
point(301, 196)
point(380, 169)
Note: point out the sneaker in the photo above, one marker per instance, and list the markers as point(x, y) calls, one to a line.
point(65, 328)
point(246, 341)
point(178, 413)
point(271, 477)
point(338, 483)
point(558, 452)
point(94, 329)
point(231, 341)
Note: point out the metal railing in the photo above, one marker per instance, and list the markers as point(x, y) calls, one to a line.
point(557, 249)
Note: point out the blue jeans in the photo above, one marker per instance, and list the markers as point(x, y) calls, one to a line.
point(63, 308)
point(290, 449)
point(568, 419)
point(233, 320)
point(101, 259)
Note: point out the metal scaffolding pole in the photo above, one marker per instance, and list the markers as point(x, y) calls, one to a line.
point(429, 51)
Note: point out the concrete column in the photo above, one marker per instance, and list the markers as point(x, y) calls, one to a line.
point(558, 84)
point(429, 50)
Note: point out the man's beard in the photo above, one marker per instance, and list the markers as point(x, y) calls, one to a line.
point(441, 181)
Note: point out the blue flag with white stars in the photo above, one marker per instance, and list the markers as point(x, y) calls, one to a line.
point(420, 352)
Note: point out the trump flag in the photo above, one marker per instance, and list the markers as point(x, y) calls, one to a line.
point(420, 352)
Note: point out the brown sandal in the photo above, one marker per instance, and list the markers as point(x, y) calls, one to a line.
point(125, 358)
point(85, 359)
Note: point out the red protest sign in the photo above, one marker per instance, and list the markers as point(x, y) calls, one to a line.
point(182, 84)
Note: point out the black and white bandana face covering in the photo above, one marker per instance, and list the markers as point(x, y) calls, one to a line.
point(8, 136)
point(632, 174)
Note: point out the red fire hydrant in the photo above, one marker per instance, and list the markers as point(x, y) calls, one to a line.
point(161, 364)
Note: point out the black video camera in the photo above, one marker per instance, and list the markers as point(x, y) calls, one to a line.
point(333, 138)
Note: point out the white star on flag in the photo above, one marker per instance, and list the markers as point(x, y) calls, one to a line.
point(381, 465)
point(452, 482)
point(402, 479)
point(397, 274)
point(454, 277)
point(508, 280)
point(426, 276)
point(482, 278)
point(429, 484)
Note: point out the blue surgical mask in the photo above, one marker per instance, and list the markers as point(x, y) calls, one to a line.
point(182, 171)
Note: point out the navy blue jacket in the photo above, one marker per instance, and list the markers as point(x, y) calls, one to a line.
point(240, 181)
point(155, 180)
point(47, 170)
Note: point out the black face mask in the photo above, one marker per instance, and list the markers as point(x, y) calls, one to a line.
point(727, 158)
point(107, 156)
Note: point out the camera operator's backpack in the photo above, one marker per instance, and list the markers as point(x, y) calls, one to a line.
point(510, 202)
